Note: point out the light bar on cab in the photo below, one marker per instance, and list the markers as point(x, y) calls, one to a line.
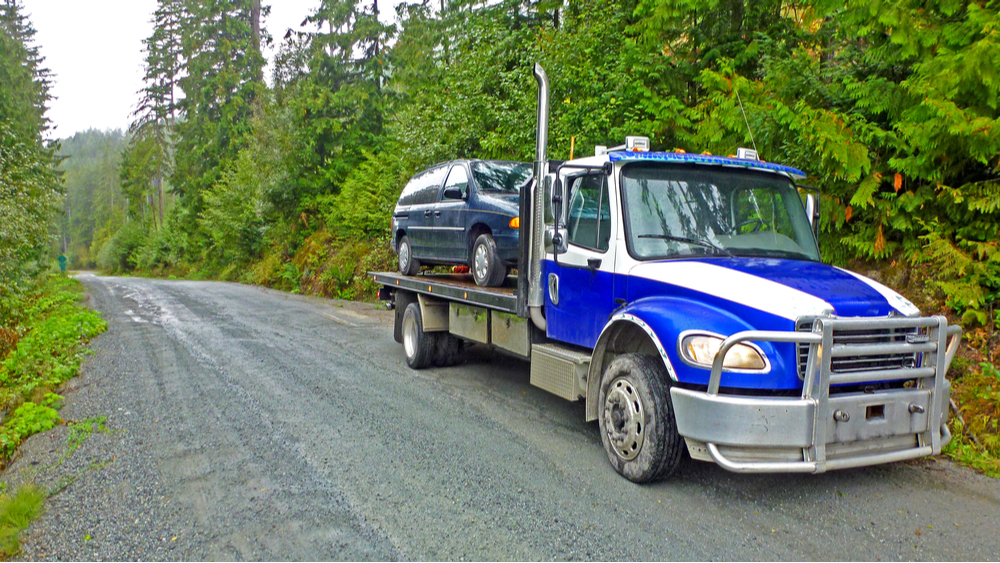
point(706, 159)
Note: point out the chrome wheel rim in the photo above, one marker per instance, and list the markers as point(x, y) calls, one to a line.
point(482, 262)
point(624, 419)
point(404, 257)
point(410, 335)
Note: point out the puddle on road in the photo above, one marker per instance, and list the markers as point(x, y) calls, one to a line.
point(150, 309)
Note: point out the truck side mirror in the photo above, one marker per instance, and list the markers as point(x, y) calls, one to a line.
point(812, 212)
point(555, 240)
point(555, 236)
point(556, 199)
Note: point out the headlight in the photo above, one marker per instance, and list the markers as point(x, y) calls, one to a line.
point(701, 350)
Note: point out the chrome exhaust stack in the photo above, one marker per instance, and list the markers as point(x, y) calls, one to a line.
point(536, 299)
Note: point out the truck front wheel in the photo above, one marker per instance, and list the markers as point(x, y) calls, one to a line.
point(637, 419)
point(419, 346)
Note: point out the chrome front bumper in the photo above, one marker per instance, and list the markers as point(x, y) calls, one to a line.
point(817, 432)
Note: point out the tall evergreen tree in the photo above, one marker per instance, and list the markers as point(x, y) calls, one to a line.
point(221, 77)
point(339, 97)
point(149, 156)
point(29, 186)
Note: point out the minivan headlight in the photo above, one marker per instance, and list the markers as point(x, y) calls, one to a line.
point(701, 349)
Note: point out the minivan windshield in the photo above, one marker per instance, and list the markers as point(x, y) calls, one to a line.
point(501, 176)
point(675, 212)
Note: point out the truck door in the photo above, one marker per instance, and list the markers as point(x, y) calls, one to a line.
point(579, 292)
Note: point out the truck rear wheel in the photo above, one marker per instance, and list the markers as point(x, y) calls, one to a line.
point(420, 346)
point(448, 348)
point(637, 422)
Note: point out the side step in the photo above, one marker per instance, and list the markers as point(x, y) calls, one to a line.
point(560, 371)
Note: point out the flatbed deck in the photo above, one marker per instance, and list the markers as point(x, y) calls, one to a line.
point(455, 287)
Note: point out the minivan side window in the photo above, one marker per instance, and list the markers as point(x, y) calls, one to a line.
point(458, 178)
point(431, 185)
point(423, 188)
point(410, 191)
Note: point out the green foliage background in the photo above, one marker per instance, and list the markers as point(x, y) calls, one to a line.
point(890, 106)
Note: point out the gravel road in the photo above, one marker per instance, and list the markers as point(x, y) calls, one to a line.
point(245, 423)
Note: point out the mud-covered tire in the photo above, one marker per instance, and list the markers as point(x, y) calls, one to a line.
point(408, 265)
point(636, 418)
point(487, 268)
point(447, 351)
point(419, 346)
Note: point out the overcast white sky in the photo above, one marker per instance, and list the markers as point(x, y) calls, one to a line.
point(94, 49)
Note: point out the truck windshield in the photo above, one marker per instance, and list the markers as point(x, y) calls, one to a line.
point(501, 176)
point(674, 212)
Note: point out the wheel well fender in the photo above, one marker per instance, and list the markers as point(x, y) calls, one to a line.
point(625, 333)
point(401, 299)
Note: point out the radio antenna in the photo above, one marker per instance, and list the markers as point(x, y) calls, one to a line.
point(745, 120)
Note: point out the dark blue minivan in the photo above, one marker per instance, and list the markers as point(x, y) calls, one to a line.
point(462, 212)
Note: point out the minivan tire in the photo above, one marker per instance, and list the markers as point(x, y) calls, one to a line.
point(408, 265)
point(487, 269)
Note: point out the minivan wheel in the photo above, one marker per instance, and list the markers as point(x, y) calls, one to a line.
point(486, 266)
point(408, 265)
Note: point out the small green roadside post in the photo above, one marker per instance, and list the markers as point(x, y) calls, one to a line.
point(62, 263)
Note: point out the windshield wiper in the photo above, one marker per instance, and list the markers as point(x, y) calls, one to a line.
point(701, 243)
point(772, 253)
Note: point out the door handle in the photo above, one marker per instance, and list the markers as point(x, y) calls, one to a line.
point(593, 264)
point(427, 213)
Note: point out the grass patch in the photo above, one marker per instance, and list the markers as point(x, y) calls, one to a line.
point(80, 431)
point(17, 511)
point(978, 393)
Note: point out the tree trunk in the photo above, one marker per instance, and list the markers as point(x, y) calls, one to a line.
point(69, 223)
point(159, 195)
point(255, 22)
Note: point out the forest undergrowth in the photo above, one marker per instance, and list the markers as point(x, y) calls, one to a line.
point(43, 336)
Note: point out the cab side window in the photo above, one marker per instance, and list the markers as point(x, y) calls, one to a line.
point(589, 217)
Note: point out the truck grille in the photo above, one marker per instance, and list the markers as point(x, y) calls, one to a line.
point(863, 337)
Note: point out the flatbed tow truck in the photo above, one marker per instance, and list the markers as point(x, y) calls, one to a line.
point(683, 298)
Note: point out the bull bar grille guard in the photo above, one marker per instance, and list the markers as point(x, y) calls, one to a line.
point(819, 376)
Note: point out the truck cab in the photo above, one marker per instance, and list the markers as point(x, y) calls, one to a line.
point(677, 256)
point(683, 298)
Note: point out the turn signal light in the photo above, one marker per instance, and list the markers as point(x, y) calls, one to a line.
point(515, 223)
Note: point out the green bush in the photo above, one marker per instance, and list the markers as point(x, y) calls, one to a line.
point(49, 351)
point(120, 252)
point(979, 395)
point(165, 247)
point(27, 420)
